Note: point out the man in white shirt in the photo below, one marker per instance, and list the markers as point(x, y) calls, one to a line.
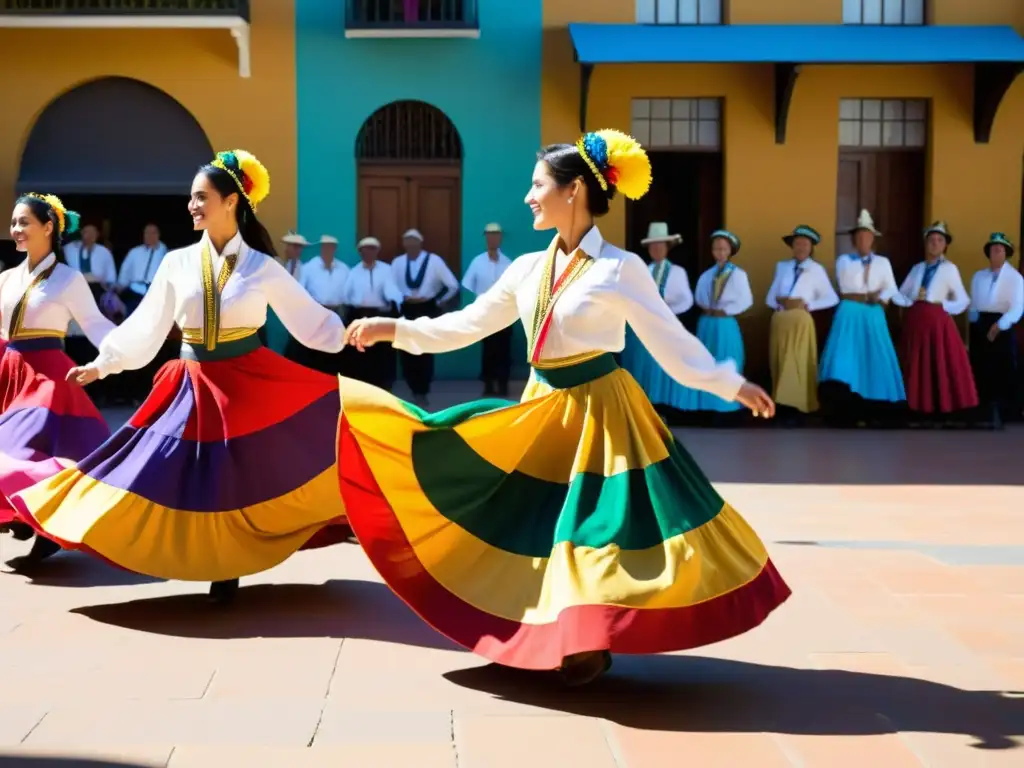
point(294, 244)
point(137, 272)
point(997, 303)
point(370, 291)
point(426, 283)
point(324, 279)
point(483, 272)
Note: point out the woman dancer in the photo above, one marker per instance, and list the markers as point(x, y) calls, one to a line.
point(723, 292)
point(46, 423)
point(547, 534)
point(195, 486)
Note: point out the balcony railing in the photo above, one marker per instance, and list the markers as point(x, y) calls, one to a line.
point(44, 8)
point(408, 18)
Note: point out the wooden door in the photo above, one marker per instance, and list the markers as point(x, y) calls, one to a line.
point(891, 186)
point(426, 197)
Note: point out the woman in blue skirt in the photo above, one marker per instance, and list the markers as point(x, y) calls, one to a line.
point(861, 380)
point(723, 293)
point(674, 286)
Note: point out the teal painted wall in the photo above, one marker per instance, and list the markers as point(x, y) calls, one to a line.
point(488, 87)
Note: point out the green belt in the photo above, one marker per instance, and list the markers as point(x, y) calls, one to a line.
point(578, 374)
point(225, 350)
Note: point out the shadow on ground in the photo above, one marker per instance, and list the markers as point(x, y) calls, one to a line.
point(349, 608)
point(700, 694)
point(77, 569)
point(61, 762)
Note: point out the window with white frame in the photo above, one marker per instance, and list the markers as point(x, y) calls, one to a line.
point(883, 11)
point(678, 123)
point(883, 123)
point(678, 11)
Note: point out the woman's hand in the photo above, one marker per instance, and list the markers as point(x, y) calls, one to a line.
point(83, 374)
point(367, 331)
point(756, 399)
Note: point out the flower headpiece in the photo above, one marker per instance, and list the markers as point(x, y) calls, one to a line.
point(250, 175)
point(617, 160)
point(68, 221)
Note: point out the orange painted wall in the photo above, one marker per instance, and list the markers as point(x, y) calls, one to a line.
point(769, 188)
point(783, 11)
point(199, 68)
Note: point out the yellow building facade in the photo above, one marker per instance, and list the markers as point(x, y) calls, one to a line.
point(187, 59)
point(818, 175)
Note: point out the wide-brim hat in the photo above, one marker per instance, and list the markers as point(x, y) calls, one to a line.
point(657, 232)
point(413, 233)
point(729, 237)
point(865, 222)
point(368, 242)
point(494, 228)
point(802, 231)
point(940, 228)
point(294, 238)
point(998, 238)
point(328, 240)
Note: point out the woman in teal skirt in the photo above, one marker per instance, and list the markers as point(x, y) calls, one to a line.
point(723, 293)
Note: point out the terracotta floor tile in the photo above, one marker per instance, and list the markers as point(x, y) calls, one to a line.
point(538, 742)
point(342, 726)
point(667, 749)
point(351, 756)
point(887, 750)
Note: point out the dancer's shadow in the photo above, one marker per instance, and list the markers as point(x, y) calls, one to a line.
point(350, 608)
point(699, 694)
point(27, 761)
point(76, 569)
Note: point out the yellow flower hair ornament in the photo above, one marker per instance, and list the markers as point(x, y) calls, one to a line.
point(250, 174)
point(68, 221)
point(617, 160)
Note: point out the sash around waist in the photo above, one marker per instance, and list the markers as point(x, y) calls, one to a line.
point(226, 348)
point(35, 343)
point(575, 374)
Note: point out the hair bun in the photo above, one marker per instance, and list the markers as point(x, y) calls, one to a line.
point(250, 174)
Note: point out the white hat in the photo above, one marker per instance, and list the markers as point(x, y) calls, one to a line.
point(328, 240)
point(940, 228)
point(368, 242)
point(657, 232)
point(413, 233)
point(493, 227)
point(864, 221)
point(294, 238)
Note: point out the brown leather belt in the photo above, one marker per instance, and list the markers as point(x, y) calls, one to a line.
point(416, 300)
point(715, 313)
point(860, 298)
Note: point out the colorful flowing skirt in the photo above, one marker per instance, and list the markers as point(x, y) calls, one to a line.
point(793, 359)
point(935, 362)
point(860, 354)
point(46, 424)
point(722, 337)
point(225, 470)
point(570, 522)
point(661, 388)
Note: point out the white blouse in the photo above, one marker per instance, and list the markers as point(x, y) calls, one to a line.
point(677, 295)
point(1001, 292)
point(484, 272)
point(590, 316)
point(946, 287)
point(813, 285)
point(436, 278)
point(851, 272)
point(176, 296)
point(736, 296)
point(102, 267)
point(52, 305)
point(371, 288)
point(327, 286)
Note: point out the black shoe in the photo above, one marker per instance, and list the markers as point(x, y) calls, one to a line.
point(223, 592)
point(584, 668)
point(22, 532)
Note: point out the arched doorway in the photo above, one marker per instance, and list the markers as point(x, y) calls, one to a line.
point(409, 156)
point(122, 153)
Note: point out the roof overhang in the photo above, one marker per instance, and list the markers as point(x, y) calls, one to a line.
point(996, 52)
point(238, 26)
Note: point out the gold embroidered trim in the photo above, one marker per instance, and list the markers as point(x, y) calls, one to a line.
point(211, 295)
point(547, 296)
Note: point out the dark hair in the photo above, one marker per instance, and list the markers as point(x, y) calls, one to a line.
point(567, 165)
point(44, 212)
point(253, 232)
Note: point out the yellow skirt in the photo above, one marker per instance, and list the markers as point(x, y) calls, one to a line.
point(793, 358)
point(572, 521)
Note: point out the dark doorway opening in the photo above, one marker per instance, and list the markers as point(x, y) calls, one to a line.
point(687, 194)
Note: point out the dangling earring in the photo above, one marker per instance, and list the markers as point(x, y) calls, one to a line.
point(570, 201)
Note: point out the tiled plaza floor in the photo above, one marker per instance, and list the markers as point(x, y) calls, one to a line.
point(903, 644)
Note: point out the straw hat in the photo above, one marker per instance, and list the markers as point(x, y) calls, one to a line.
point(657, 232)
point(328, 240)
point(864, 221)
point(294, 238)
point(493, 229)
point(368, 242)
point(413, 233)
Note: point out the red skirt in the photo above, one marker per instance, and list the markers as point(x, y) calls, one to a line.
point(936, 367)
point(46, 424)
point(226, 469)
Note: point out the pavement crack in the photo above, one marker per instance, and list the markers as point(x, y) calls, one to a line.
point(33, 728)
point(327, 691)
point(209, 684)
point(451, 735)
point(612, 743)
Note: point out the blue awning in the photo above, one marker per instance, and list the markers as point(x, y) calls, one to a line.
point(997, 53)
point(803, 43)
